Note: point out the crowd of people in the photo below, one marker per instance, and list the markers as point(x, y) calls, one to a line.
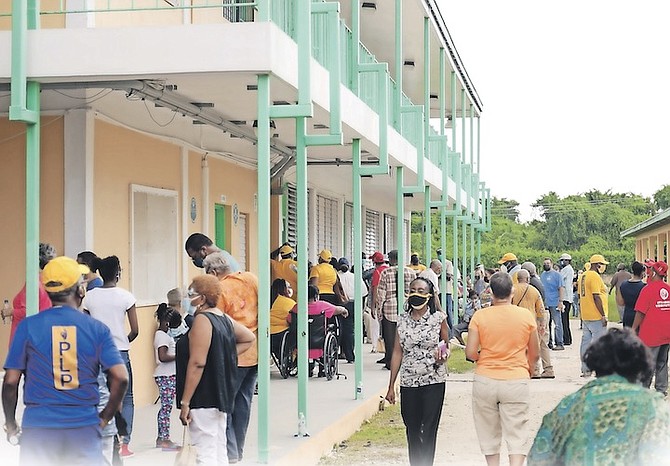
point(509, 319)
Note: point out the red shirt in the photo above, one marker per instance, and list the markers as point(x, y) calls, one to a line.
point(654, 303)
point(376, 275)
point(19, 305)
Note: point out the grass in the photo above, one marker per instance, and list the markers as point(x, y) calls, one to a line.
point(381, 440)
point(457, 362)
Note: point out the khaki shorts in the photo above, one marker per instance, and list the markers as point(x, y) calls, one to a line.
point(501, 409)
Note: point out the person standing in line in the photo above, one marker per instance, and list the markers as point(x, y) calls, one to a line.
point(420, 351)
point(165, 372)
point(593, 303)
point(618, 278)
point(176, 301)
point(207, 359)
point(199, 246)
point(502, 340)
point(59, 353)
point(348, 279)
point(110, 304)
point(527, 296)
point(567, 275)
point(415, 264)
point(375, 320)
point(324, 276)
point(18, 311)
point(239, 300)
point(630, 291)
point(509, 263)
point(90, 259)
point(554, 292)
point(283, 265)
point(652, 321)
point(432, 274)
point(387, 302)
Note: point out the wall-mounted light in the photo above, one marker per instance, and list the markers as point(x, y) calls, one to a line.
point(369, 5)
point(409, 63)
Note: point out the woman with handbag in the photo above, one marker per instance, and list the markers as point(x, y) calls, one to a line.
point(206, 367)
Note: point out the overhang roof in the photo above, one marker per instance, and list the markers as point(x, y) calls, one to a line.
point(653, 222)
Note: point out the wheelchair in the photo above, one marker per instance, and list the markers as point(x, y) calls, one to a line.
point(323, 335)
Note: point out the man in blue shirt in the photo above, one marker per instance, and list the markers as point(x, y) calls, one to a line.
point(60, 352)
point(554, 294)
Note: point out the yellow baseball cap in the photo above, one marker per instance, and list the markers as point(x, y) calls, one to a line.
point(62, 273)
point(325, 255)
point(507, 257)
point(598, 259)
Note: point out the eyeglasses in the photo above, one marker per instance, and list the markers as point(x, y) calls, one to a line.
point(192, 294)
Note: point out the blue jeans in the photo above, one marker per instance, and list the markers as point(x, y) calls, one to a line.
point(558, 325)
point(57, 446)
point(238, 420)
point(592, 329)
point(128, 406)
point(659, 355)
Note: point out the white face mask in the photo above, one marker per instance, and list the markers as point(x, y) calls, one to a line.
point(187, 306)
point(290, 292)
point(503, 268)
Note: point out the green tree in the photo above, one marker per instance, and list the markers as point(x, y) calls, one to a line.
point(506, 208)
point(662, 198)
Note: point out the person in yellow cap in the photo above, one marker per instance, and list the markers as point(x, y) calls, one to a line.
point(282, 265)
point(325, 278)
point(509, 263)
point(415, 264)
point(593, 306)
point(60, 353)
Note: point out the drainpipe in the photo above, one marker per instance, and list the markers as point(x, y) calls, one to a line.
point(204, 173)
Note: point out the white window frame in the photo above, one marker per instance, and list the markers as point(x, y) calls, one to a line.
point(165, 275)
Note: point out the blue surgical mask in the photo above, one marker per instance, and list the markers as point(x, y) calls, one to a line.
point(187, 306)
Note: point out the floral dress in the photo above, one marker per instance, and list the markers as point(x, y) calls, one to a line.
point(418, 340)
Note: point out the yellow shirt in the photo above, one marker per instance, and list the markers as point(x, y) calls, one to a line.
point(326, 277)
point(417, 268)
point(528, 297)
point(591, 283)
point(504, 333)
point(280, 309)
point(288, 270)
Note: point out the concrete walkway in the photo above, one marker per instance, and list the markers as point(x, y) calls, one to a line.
point(333, 416)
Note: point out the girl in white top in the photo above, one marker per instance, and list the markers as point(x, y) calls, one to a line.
point(164, 375)
point(110, 304)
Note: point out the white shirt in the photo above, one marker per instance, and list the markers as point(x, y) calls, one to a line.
point(109, 306)
point(164, 368)
point(448, 268)
point(430, 275)
point(567, 274)
point(348, 281)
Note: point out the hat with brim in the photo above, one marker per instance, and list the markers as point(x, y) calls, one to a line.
point(62, 273)
point(507, 257)
point(598, 259)
point(660, 268)
point(325, 255)
point(285, 249)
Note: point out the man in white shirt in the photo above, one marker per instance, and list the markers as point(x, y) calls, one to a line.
point(348, 280)
point(432, 273)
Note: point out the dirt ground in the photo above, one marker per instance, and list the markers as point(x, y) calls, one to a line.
point(457, 439)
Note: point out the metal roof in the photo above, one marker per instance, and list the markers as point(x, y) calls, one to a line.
point(655, 221)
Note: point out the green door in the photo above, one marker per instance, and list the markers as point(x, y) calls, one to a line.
point(220, 236)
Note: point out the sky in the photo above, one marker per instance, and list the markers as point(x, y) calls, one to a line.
point(576, 94)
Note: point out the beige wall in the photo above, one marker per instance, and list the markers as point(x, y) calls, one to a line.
point(46, 21)
point(13, 205)
point(653, 244)
point(124, 157)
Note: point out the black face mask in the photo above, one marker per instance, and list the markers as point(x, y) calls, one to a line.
point(198, 262)
point(175, 320)
point(417, 300)
point(486, 279)
point(547, 268)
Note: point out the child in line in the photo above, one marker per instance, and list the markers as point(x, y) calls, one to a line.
point(164, 375)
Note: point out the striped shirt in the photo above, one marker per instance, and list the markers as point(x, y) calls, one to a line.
point(387, 296)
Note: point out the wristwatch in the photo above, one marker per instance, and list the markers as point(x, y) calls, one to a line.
point(14, 438)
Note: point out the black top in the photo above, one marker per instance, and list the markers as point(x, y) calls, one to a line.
point(217, 385)
point(630, 290)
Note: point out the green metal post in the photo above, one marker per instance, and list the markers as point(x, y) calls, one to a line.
point(428, 228)
point(302, 220)
point(453, 114)
point(444, 158)
point(479, 120)
point(400, 228)
point(472, 139)
point(263, 147)
point(399, 64)
point(355, 43)
point(463, 113)
point(454, 251)
point(356, 260)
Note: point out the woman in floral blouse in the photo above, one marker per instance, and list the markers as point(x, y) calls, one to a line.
point(419, 355)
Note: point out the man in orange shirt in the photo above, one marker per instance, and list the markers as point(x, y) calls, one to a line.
point(239, 299)
point(502, 339)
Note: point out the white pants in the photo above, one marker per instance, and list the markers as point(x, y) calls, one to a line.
point(372, 328)
point(108, 449)
point(208, 434)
